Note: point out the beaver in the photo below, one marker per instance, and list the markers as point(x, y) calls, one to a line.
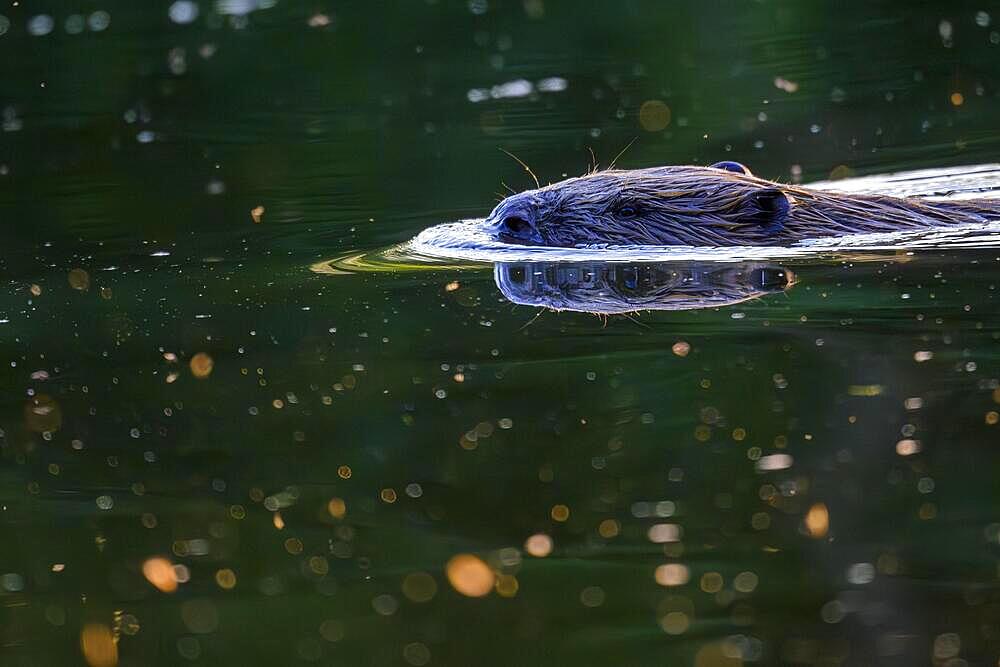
point(720, 205)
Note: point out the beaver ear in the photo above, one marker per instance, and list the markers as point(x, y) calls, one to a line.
point(734, 167)
point(765, 206)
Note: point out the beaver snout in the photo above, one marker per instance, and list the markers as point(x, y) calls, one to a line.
point(514, 222)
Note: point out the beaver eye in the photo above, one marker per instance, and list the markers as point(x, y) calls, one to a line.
point(627, 211)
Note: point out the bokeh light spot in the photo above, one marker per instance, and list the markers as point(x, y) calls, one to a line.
point(817, 521)
point(507, 585)
point(98, 645)
point(416, 654)
point(79, 279)
point(672, 574)
point(654, 115)
point(337, 508)
point(201, 365)
point(470, 575)
point(711, 582)
point(226, 579)
point(419, 587)
point(160, 572)
point(538, 545)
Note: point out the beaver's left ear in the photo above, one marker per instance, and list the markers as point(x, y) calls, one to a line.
point(765, 206)
point(735, 167)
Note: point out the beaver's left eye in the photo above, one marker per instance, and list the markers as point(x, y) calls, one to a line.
point(627, 211)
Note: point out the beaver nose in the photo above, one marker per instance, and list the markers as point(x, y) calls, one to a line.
point(516, 226)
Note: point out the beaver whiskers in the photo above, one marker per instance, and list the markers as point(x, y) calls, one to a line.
point(721, 205)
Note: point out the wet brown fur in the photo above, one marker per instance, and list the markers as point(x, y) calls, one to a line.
point(705, 206)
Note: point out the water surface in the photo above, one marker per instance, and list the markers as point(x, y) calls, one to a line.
point(224, 443)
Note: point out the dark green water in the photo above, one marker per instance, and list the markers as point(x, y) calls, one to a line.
point(817, 468)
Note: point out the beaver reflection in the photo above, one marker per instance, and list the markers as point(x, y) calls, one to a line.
point(608, 288)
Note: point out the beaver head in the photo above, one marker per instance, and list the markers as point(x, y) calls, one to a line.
point(662, 205)
point(720, 205)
